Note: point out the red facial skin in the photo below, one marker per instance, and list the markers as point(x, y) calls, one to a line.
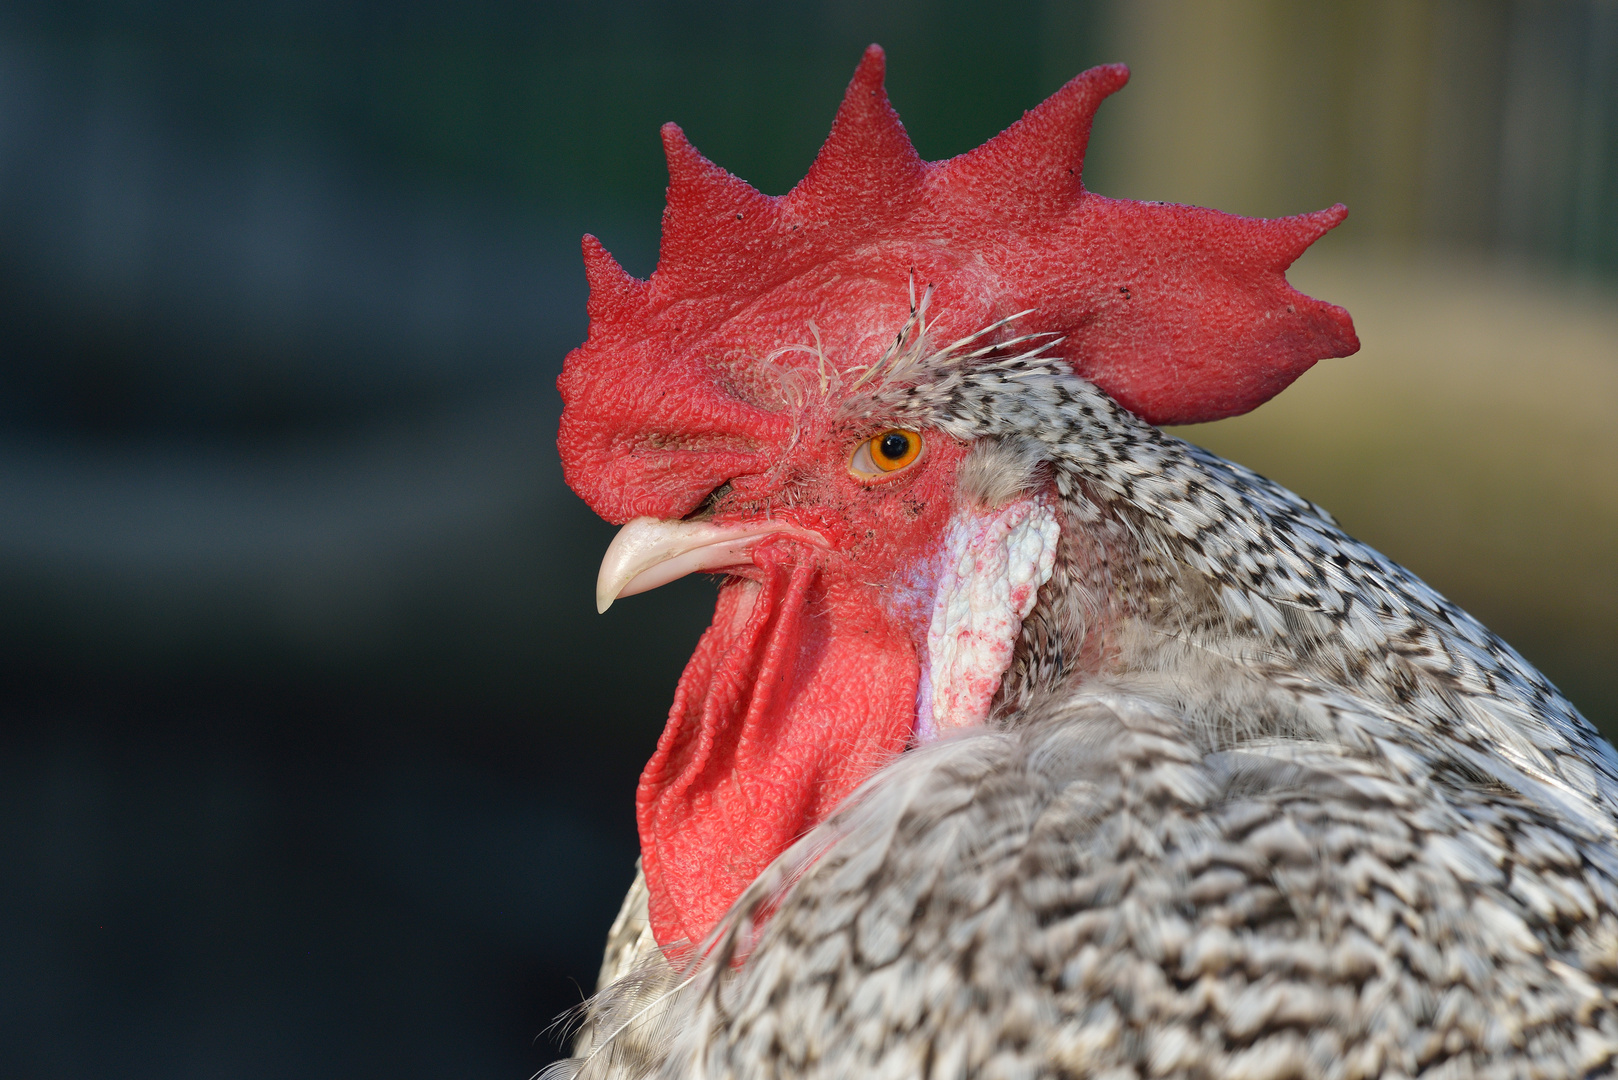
point(803, 686)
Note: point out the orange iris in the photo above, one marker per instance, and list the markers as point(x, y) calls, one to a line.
point(893, 450)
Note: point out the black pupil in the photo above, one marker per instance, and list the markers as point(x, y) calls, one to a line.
point(894, 445)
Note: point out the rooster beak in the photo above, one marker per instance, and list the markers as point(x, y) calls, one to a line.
point(647, 552)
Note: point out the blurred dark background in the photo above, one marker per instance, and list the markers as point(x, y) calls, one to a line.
point(315, 759)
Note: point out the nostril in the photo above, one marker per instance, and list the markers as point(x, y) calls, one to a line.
point(627, 465)
point(697, 442)
point(710, 504)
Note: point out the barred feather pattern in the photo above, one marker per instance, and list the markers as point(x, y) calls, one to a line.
point(1254, 803)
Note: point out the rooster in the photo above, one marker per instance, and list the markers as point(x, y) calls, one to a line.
point(1027, 739)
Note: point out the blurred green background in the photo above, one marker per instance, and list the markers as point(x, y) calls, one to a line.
point(314, 757)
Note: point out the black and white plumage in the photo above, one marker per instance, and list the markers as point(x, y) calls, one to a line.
point(1253, 802)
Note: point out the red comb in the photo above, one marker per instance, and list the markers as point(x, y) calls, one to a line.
point(1181, 314)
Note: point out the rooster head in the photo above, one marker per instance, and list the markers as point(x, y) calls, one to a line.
point(761, 407)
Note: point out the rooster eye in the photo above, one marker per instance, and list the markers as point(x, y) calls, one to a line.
point(885, 453)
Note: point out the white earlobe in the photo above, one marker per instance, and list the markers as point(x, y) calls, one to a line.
point(994, 563)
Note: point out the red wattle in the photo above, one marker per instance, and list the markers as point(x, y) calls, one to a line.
point(799, 689)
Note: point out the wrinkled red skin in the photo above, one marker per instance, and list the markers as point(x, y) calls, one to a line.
point(804, 684)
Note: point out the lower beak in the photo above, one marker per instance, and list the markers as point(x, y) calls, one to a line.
point(647, 552)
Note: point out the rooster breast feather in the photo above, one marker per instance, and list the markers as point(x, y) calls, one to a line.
point(1094, 893)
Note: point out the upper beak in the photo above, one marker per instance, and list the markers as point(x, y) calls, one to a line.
point(647, 552)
